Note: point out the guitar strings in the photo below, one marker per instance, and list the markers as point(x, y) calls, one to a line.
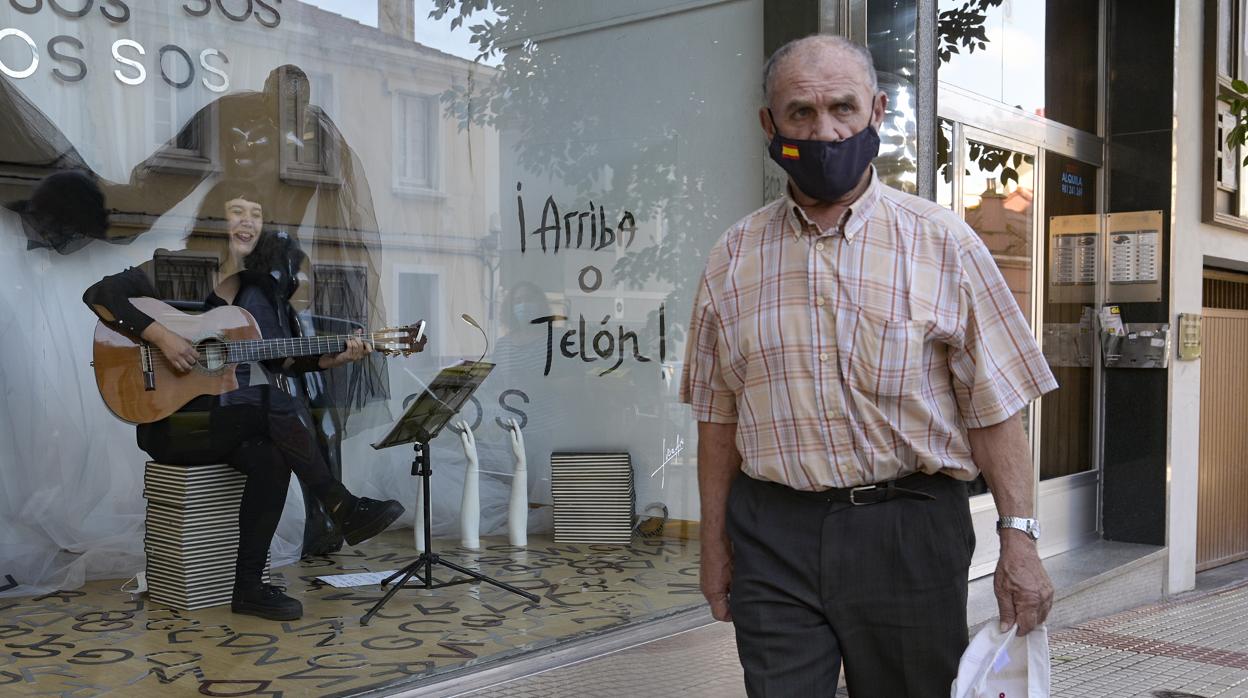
point(155, 354)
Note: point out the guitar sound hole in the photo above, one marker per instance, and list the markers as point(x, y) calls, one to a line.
point(211, 354)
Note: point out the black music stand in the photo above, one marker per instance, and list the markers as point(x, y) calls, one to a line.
point(422, 421)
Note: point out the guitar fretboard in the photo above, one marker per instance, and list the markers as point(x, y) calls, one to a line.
point(265, 349)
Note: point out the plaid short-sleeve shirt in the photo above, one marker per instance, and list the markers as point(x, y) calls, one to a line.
point(859, 355)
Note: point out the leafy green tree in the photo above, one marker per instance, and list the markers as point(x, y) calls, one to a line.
point(963, 28)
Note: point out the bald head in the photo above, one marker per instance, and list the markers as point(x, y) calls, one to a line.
point(813, 47)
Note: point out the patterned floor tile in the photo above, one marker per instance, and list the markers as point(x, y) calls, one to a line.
point(97, 641)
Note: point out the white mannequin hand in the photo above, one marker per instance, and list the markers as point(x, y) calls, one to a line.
point(518, 504)
point(517, 444)
point(469, 443)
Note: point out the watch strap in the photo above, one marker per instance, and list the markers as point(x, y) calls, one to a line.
point(1029, 526)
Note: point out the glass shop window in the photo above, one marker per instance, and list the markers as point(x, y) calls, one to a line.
point(562, 193)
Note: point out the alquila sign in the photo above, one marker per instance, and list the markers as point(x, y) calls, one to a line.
point(71, 61)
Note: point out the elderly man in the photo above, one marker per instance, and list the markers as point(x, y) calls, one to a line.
point(854, 359)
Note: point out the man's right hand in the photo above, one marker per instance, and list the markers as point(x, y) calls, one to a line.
point(716, 578)
point(177, 350)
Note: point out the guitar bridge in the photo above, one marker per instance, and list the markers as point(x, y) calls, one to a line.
point(149, 374)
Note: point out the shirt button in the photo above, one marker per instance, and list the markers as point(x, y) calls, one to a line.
point(831, 414)
point(823, 357)
point(819, 301)
point(819, 246)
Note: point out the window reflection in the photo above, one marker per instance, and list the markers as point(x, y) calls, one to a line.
point(998, 187)
point(1225, 50)
point(891, 40)
point(1039, 57)
point(997, 195)
point(944, 163)
point(1066, 421)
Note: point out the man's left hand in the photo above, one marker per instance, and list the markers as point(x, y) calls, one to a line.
point(1024, 592)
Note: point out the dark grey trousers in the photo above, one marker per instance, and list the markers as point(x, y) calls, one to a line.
point(880, 587)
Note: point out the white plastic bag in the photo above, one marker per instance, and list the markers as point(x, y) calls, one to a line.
point(1002, 665)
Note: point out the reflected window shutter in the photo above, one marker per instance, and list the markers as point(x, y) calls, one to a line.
point(184, 278)
point(340, 294)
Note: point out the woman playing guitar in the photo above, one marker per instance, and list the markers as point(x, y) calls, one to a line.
point(264, 429)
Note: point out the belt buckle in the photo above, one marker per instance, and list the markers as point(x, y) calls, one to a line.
point(854, 500)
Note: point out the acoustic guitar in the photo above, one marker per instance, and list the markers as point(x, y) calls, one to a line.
point(139, 385)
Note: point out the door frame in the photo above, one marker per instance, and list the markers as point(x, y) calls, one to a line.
point(1067, 506)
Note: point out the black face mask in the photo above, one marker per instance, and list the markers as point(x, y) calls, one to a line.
point(826, 170)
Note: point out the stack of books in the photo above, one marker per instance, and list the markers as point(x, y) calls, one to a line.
point(593, 497)
point(192, 533)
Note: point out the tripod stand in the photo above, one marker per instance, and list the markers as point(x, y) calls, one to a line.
point(418, 426)
point(427, 559)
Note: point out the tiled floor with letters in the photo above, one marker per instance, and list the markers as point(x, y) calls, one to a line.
point(98, 640)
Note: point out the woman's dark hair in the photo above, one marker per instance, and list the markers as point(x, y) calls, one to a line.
point(213, 204)
point(274, 263)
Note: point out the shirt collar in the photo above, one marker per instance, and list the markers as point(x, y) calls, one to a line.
point(852, 221)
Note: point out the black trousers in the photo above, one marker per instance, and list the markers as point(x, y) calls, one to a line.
point(880, 587)
point(264, 434)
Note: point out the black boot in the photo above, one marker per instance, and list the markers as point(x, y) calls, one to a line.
point(265, 601)
point(320, 534)
point(365, 518)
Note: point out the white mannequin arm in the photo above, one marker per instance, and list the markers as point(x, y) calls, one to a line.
point(518, 505)
point(470, 505)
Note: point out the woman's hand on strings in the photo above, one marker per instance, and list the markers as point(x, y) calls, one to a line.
point(176, 350)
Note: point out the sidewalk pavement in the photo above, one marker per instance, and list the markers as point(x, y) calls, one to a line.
point(1192, 646)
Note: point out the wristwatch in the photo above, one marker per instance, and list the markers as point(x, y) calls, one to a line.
point(1029, 526)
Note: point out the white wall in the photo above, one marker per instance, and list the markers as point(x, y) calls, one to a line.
point(1193, 245)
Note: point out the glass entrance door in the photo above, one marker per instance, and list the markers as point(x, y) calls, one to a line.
point(1006, 190)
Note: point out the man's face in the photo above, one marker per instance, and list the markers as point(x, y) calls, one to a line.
point(243, 219)
point(823, 94)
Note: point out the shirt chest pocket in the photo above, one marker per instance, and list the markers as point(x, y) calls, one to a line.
point(881, 357)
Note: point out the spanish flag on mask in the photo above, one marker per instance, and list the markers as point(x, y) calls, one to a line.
point(789, 152)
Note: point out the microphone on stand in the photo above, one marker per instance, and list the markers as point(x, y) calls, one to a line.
point(468, 319)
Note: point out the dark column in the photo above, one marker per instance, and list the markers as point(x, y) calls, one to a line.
point(785, 20)
point(1140, 95)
